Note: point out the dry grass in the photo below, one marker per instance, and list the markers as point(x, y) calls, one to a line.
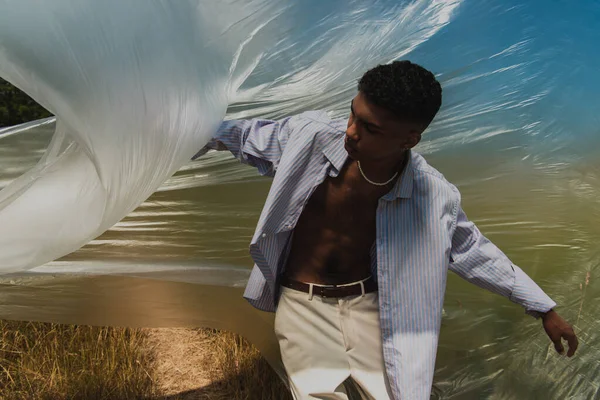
point(238, 371)
point(180, 362)
point(50, 361)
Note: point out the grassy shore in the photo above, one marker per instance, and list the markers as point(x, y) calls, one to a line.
point(238, 372)
point(50, 361)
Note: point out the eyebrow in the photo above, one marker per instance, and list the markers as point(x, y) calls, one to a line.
point(369, 124)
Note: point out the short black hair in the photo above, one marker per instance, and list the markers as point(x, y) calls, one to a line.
point(407, 90)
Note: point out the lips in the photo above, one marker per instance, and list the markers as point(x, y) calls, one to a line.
point(349, 146)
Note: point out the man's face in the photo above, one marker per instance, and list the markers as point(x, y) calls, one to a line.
point(374, 134)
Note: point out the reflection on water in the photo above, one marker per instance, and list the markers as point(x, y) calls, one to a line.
point(181, 259)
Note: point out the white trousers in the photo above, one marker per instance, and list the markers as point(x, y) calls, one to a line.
point(324, 341)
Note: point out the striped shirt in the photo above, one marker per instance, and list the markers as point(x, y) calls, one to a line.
point(422, 232)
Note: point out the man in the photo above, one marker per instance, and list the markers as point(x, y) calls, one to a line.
point(357, 234)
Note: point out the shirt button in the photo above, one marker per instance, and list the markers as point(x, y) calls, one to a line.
point(264, 235)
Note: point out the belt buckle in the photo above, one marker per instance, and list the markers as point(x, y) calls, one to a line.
point(323, 295)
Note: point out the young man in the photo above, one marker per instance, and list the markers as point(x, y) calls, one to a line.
point(357, 234)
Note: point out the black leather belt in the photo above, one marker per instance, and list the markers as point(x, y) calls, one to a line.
point(335, 291)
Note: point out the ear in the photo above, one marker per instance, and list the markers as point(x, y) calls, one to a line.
point(412, 139)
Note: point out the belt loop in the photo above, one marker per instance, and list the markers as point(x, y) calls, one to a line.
point(310, 291)
point(362, 288)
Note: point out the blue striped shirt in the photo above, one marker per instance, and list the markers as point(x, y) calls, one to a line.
point(422, 232)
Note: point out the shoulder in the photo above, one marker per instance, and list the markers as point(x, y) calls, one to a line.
point(430, 182)
point(311, 125)
point(317, 119)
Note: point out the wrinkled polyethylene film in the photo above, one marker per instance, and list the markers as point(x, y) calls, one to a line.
point(103, 219)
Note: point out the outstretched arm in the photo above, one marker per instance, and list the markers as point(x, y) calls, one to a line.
point(256, 142)
point(479, 261)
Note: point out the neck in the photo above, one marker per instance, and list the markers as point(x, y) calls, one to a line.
point(382, 170)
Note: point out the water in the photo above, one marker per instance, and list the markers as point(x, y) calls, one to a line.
point(191, 239)
point(518, 134)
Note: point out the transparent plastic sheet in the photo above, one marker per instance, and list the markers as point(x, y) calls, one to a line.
point(138, 89)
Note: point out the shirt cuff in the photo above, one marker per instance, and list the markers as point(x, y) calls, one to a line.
point(529, 295)
point(536, 314)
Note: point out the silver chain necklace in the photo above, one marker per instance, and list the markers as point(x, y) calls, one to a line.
point(375, 183)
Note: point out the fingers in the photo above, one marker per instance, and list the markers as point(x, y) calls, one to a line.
point(571, 338)
point(558, 346)
point(557, 329)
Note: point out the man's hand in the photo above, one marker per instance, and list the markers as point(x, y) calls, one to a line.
point(557, 329)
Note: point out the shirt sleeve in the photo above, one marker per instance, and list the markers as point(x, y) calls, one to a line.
point(477, 260)
point(256, 142)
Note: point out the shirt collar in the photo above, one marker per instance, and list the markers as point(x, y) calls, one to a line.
point(333, 149)
point(404, 185)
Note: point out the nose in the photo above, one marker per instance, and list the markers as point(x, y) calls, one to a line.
point(352, 131)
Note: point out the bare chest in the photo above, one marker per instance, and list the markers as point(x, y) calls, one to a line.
point(345, 202)
point(335, 232)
